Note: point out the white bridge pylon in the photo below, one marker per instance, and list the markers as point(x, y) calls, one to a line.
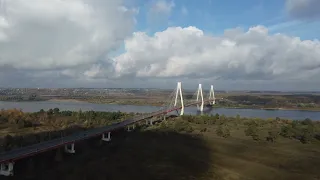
point(211, 96)
point(200, 98)
point(179, 93)
point(200, 95)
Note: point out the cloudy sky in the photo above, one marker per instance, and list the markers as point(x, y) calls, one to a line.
point(234, 45)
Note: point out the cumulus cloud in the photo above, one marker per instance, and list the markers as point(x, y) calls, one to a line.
point(239, 55)
point(303, 9)
point(61, 35)
point(69, 43)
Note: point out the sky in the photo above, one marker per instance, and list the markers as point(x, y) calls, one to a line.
point(233, 45)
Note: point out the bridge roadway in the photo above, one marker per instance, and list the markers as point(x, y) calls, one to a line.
point(31, 150)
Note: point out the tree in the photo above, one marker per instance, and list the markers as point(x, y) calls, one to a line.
point(307, 134)
point(307, 121)
point(8, 142)
point(50, 112)
point(217, 116)
point(56, 110)
point(20, 141)
point(21, 123)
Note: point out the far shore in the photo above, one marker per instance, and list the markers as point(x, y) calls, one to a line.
point(65, 100)
point(139, 102)
point(157, 104)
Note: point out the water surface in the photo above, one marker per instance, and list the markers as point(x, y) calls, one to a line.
point(85, 106)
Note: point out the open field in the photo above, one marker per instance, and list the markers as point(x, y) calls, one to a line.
point(186, 147)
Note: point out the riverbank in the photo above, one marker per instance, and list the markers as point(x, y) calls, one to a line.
point(85, 106)
point(271, 109)
point(144, 102)
point(64, 100)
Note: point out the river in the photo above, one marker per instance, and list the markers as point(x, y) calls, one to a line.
point(84, 106)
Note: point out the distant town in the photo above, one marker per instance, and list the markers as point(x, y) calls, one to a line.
point(47, 92)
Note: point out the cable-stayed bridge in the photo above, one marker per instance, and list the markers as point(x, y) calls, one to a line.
point(176, 102)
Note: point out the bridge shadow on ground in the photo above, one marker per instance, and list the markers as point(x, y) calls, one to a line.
point(151, 154)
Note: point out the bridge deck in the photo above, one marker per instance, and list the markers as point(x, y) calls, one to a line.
point(23, 152)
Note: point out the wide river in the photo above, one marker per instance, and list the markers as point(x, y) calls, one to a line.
point(84, 106)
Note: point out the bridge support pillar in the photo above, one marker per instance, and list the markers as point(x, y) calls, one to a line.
point(211, 96)
point(104, 138)
point(179, 93)
point(69, 148)
point(6, 169)
point(149, 122)
point(130, 128)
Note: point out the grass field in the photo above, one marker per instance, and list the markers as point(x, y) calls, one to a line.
point(190, 148)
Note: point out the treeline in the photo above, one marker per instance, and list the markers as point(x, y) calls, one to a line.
point(31, 97)
point(29, 128)
point(305, 131)
point(22, 119)
point(273, 101)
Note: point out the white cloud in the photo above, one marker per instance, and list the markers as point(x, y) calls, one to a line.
point(162, 7)
point(60, 34)
point(303, 9)
point(68, 43)
point(189, 52)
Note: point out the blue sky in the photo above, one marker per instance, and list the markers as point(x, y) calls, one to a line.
point(214, 16)
point(112, 43)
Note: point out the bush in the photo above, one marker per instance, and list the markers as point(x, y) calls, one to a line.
point(223, 131)
point(252, 131)
point(203, 130)
point(182, 126)
point(219, 131)
point(272, 135)
point(226, 132)
point(188, 118)
point(163, 125)
point(286, 132)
